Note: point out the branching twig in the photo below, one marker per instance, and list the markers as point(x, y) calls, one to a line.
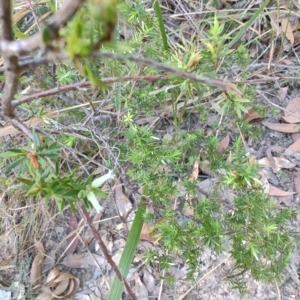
point(13, 49)
point(81, 84)
point(35, 42)
point(224, 85)
point(106, 254)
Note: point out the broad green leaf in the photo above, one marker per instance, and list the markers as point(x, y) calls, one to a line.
point(13, 153)
point(16, 163)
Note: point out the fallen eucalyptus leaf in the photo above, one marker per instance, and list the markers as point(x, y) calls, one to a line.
point(286, 128)
point(294, 108)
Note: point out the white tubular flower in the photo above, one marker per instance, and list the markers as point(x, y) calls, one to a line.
point(93, 199)
point(101, 180)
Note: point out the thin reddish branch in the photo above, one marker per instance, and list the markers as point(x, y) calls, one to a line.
point(69, 87)
point(106, 254)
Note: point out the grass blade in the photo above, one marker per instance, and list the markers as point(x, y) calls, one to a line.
point(161, 23)
point(128, 253)
point(248, 24)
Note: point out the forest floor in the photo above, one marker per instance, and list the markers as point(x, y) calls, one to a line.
point(66, 238)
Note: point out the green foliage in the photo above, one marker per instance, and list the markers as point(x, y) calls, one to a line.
point(260, 241)
point(255, 226)
point(40, 178)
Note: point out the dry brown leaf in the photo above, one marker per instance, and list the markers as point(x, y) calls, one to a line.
point(62, 284)
point(10, 130)
point(286, 62)
point(295, 147)
point(72, 241)
point(274, 191)
point(149, 281)
point(146, 233)
point(294, 108)
point(82, 260)
point(139, 288)
point(147, 120)
point(60, 288)
point(282, 93)
point(187, 210)
point(251, 115)
point(204, 166)
point(296, 179)
point(296, 136)
point(53, 274)
point(253, 51)
point(280, 163)
point(264, 181)
point(73, 287)
point(286, 29)
point(36, 273)
point(123, 203)
point(195, 172)
point(287, 128)
point(45, 295)
point(274, 22)
point(223, 145)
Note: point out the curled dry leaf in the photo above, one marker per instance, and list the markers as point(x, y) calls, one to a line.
point(36, 275)
point(60, 288)
point(62, 284)
point(286, 128)
point(223, 145)
point(294, 108)
point(54, 274)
